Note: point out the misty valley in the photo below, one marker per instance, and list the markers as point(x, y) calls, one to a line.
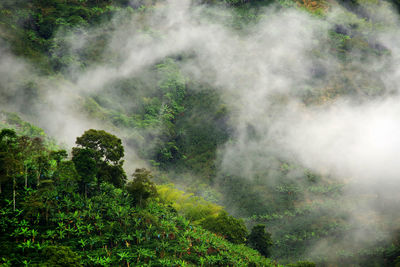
point(199, 133)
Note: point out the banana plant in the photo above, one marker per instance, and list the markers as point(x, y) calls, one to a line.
point(181, 263)
point(61, 234)
point(26, 263)
point(34, 233)
point(164, 246)
point(100, 260)
point(82, 243)
point(202, 248)
point(100, 227)
point(61, 216)
point(141, 253)
point(125, 256)
point(165, 262)
point(26, 245)
point(52, 234)
point(138, 235)
point(40, 246)
point(89, 228)
point(70, 230)
point(68, 204)
point(93, 240)
point(202, 261)
point(22, 230)
point(80, 228)
point(17, 232)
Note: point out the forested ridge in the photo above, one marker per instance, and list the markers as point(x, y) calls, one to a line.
point(199, 133)
point(59, 212)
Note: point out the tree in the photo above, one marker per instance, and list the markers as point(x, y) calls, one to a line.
point(107, 146)
point(58, 155)
point(67, 175)
point(86, 166)
point(61, 256)
point(26, 144)
point(302, 264)
point(11, 162)
point(231, 228)
point(260, 240)
point(103, 149)
point(141, 187)
point(40, 157)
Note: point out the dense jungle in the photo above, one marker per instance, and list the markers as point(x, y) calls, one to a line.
point(199, 133)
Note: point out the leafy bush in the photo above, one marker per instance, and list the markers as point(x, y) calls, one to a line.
point(228, 226)
point(260, 240)
point(61, 256)
point(196, 209)
point(302, 264)
point(141, 187)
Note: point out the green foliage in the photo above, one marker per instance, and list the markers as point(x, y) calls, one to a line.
point(302, 264)
point(172, 84)
point(260, 240)
point(228, 226)
point(107, 147)
point(99, 154)
point(173, 122)
point(141, 187)
point(54, 226)
point(194, 208)
point(23, 128)
point(34, 27)
point(61, 256)
point(106, 229)
point(86, 166)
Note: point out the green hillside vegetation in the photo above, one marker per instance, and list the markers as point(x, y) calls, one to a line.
point(86, 210)
point(53, 215)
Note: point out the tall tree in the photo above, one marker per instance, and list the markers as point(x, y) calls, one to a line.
point(86, 166)
point(106, 151)
point(234, 230)
point(260, 240)
point(11, 162)
point(141, 187)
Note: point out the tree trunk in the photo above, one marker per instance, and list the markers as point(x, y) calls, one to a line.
point(47, 214)
point(26, 177)
point(14, 185)
point(38, 180)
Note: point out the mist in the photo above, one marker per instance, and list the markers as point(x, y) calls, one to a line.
point(264, 74)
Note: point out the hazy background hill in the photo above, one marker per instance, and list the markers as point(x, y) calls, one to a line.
point(284, 112)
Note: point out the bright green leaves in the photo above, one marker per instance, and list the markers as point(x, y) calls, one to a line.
point(194, 208)
point(106, 230)
point(58, 227)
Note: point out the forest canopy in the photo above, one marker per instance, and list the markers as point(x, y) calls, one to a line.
point(174, 133)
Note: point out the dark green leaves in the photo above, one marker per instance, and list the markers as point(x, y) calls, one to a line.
point(99, 155)
point(260, 240)
point(141, 187)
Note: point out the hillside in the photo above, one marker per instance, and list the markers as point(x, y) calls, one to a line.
point(53, 214)
point(282, 113)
